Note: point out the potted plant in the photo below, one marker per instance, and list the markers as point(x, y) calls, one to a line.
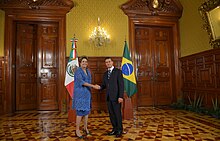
point(215, 112)
point(196, 104)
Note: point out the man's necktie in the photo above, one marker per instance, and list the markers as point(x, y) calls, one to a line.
point(109, 73)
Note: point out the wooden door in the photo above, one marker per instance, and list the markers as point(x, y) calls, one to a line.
point(37, 66)
point(48, 63)
point(36, 12)
point(154, 65)
point(26, 67)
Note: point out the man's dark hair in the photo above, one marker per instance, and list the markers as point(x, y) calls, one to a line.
point(108, 58)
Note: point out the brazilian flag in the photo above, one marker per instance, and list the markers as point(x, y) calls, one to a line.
point(128, 72)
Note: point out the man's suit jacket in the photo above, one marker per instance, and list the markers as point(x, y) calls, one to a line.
point(114, 86)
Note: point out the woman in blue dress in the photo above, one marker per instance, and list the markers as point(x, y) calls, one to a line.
point(82, 94)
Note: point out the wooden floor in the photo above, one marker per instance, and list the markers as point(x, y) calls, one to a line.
point(148, 124)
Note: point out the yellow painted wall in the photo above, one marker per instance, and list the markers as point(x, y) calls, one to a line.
point(82, 20)
point(2, 21)
point(194, 38)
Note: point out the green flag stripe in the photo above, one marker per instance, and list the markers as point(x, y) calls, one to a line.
point(126, 52)
point(130, 87)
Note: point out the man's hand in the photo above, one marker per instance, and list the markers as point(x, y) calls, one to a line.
point(120, 100)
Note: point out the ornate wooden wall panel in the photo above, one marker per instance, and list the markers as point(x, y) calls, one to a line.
point(217, 66)
point(2, 94)
point(200, 76)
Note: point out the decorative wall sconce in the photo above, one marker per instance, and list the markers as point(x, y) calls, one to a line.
point(99, 36)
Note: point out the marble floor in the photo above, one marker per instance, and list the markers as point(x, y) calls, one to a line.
point(148, 124)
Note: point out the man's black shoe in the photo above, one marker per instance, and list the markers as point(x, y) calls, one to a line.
point(112, 133)
point(118, 134)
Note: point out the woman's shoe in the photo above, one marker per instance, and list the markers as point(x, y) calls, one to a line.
point(86, 132)
point(80, 137)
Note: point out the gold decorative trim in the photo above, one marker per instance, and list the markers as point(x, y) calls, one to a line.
point(203, 9)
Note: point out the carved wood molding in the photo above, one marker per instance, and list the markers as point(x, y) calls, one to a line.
point(171, 8)
point(2, 85)
point(61, 5)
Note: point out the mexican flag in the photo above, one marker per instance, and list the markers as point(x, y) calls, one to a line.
point(71, 67)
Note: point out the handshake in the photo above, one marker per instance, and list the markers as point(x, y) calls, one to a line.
point(96, 86)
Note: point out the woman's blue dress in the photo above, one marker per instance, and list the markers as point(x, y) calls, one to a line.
point(82, 94)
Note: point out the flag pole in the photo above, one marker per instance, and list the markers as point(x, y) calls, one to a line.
point(71, 112)
point(69, 80)
point(127, 110)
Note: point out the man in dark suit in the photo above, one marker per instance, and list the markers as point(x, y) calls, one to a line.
point(114, 85)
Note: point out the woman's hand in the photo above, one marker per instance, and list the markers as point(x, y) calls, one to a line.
point(96, 87)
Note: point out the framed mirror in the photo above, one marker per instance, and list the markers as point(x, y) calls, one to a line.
point(210, 12)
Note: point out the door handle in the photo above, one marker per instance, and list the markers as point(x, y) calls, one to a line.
point(156, 75)
point(43, 75)
point(150, 74)
point(152, 78)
